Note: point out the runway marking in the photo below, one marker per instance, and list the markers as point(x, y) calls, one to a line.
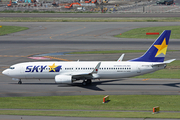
point(5, 67)
point(106, 32)
point(56, 58)
point(12, 56)
point(30, 55)
point(67, 32)
point(1, 74)
point(44, 28)
point(146, 79)
point(53, 35)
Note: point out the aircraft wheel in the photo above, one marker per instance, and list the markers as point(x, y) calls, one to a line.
point(20, 82)
point(89, 81)
point(84, 83)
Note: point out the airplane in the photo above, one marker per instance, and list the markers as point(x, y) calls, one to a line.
point(69, 72)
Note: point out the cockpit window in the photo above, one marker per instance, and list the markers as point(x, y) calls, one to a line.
point(12, 68)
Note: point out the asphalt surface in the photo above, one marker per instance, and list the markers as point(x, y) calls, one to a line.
point(67, 37)
point(102, 87)
point(81, 15)
point(13, 117)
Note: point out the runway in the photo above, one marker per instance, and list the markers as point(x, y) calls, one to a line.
point(50, 37)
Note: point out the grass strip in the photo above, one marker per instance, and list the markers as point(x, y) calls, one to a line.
point(48, 19)
point(141, 32)
point(113, 51)
point(162, 74)
point(171, 72)
point(4, 30)
point(91, 114)
point(94, 102)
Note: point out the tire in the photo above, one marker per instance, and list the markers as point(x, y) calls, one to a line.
point(20, 82)
point(84, 83)
point(89, 81)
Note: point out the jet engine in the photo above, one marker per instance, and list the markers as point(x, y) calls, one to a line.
point(63, 79)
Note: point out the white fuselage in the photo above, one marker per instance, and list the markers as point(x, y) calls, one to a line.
point(107, 69)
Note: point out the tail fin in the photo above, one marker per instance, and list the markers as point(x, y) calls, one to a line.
point(157, 51)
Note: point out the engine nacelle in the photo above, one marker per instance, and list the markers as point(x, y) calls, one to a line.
point(63, 79)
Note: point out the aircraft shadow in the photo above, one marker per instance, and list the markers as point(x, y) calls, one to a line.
point(35, 83)
point(94, 84)
point(173, 85)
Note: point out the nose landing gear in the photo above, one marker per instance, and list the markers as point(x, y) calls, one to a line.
point(17, 79)
point(20, 82)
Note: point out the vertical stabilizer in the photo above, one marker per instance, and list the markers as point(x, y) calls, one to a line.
point(157, 51)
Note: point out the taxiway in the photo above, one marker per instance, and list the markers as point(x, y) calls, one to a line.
point(52, 37)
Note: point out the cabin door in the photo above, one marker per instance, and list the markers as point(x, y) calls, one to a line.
point(138, 68)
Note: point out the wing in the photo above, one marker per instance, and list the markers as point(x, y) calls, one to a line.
point(91, 75)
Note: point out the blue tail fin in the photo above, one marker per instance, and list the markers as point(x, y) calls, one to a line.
point(157, 51)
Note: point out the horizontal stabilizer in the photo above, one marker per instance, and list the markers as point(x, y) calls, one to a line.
point(169, 61)
point(158, 64)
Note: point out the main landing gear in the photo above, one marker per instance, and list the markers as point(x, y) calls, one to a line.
point(20, 82)
point(86, 82)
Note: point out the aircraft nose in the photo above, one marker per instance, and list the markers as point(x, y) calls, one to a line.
point(5, 72)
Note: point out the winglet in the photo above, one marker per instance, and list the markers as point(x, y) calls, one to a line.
point(121, 58)
point(96, 68)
